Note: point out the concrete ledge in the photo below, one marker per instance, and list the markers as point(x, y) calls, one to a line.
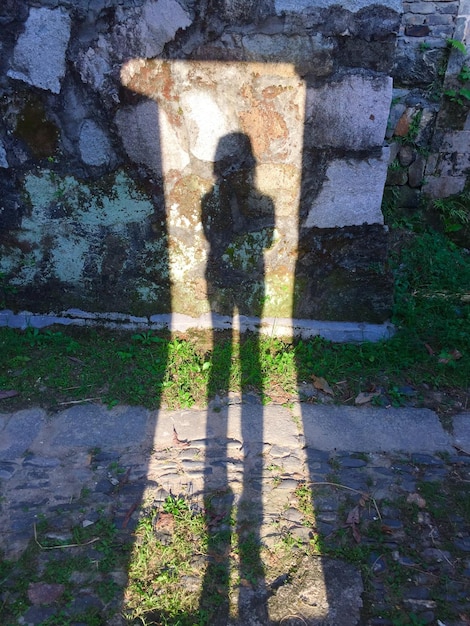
point(176, 322)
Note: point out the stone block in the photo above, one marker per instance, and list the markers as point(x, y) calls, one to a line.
point(351, 113)
point(94, 64)
point(351, 193)
point(39, 54)
point(396, 112)
point(443, 186)
point(420, 7)
point(458, 141)
point(396, 176)
point(308, 54)
point(3, 156)
point(414, 67)
point(139, 130)
point(442, 30)
point(297, 6)
point(454, 164)
point(416, 172)
point(417, 31)
point(406, 155)
point(95, 148)
point(376, 55)
point(208, 122)
point(341, 274)
point(442, 18)
point(145, 31)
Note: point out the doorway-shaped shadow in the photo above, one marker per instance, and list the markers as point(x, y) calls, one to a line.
point(235, 215)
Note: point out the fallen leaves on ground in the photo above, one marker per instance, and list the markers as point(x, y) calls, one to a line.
point(179, 443)
point(415, 498)
point(353, 519)
point(9, 393)
point(364, 397)
point(447, 357)
point(322, 385)
point(165, 522)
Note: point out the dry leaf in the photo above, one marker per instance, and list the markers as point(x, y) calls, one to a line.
point(74, 359)
point(179, 443)
point(353, 516)
point(321, 384)
point(461, 450)
point(356, 533)
point(363, 500)
point(352, 521)
point(365, 397)
point(429, 349)
point(415, 498)
point(129, 513)
point(454, 355)
point(11, 393)
point(165, 522)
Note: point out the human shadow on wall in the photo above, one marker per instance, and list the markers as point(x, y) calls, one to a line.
point(238, 223)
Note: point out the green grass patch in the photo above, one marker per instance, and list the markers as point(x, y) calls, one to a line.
point(430, 350)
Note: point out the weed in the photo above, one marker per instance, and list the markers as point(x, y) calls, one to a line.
point(107, 590)
point(461, 93)
point(305, 502)
point(334, 463)
point(456, 44)
point(6, 289)
point(175, 506)
point(85, 493)
point(413, 130)
point(159, 570)
point(454, 211)
point(395, 165)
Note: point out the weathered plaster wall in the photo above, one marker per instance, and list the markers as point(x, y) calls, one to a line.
point(183, 156)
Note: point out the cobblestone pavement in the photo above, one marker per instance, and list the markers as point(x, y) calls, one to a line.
point(388, 493)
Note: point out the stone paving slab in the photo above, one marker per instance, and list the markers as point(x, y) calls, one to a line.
point(462, 431)
point(126, 457)
point(324, 427)
point(19, 430)
point(95, 425)
point(375, 430)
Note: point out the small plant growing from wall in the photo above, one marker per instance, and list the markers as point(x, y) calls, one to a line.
point(460, 94)
point(454, 211)
point(5, 290)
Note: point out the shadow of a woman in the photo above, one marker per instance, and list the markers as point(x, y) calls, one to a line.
point(238, 223)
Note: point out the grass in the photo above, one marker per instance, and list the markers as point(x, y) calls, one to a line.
point(431, 350)
point(48, 561)
point(178, 545)
point(187, 561)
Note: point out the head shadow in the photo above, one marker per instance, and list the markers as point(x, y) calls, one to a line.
point(238, 222)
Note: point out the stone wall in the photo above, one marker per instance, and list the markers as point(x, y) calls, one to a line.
point(428, 131)
point(183, 156)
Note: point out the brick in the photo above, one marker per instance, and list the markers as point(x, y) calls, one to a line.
point(417, 31)
point(439, 19)
point(422, 7)
point(451, 7)
point(441, 30)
